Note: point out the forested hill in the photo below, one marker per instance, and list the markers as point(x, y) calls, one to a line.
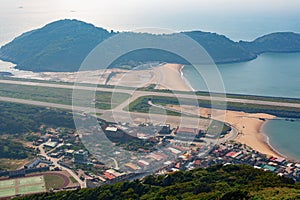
point(64, 44)
point(58, 46)
point(274, 42)
point(218, 182)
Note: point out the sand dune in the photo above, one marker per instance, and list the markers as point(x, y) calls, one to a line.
point(167, 76)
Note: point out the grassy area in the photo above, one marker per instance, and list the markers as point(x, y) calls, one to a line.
point(73, 179)
point(31, 180)
point(12, 164)
point(152, 86)
point(53, 181)
point(20, 118)
point(7, 183)
point(7, 192)
point(27, 185)
point(279, 193)
point(104, 100)
point(141, 105)
point(28, 189)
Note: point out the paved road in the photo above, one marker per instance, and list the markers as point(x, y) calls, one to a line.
point(51, 105)
point(116, 163)
point(136, 94)
point(118, 113)
point(172, 109)
point(55, 162)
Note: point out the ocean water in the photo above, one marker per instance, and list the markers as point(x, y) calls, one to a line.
point(284, 136)
point(271, 74)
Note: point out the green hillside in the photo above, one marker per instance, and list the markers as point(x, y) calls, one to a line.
point(18, 119)
point(58, 46)
point(63, 45)
point(275, 42)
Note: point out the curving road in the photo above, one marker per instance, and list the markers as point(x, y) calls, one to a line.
point(231, 136)
point(51, 105)
point(55, 162)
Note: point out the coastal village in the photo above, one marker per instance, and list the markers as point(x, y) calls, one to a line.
point(60, 153)
point(110, 152)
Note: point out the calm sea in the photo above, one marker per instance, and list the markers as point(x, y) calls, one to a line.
point(284, 136)
point(271, 74)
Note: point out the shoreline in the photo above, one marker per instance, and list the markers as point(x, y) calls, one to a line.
point(185, 80)
point(254, 136)
point(267, 140)
point(250, 128)
point(174, 80)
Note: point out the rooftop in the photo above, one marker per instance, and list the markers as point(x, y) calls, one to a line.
point(111, 128)
point(187, 130)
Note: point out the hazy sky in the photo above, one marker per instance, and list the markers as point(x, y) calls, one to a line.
point(238, 19)
point(127, 6)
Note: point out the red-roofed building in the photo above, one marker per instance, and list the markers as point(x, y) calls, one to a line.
point(142, 163)
point(230, 154)
point(109, 176)
point(177, 165)
point(180, 148)
point(273, 159)
point(162, 155)
point(197, 162)
point(280, 160)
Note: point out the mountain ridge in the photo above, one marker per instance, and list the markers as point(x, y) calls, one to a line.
point(277, 42)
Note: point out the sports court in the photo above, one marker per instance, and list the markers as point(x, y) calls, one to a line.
point(26, 185)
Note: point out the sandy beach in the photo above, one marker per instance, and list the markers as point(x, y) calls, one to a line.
point(249, 126)
point(169, 76)
point(165, 76)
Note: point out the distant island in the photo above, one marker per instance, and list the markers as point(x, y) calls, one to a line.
point(61, 46)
